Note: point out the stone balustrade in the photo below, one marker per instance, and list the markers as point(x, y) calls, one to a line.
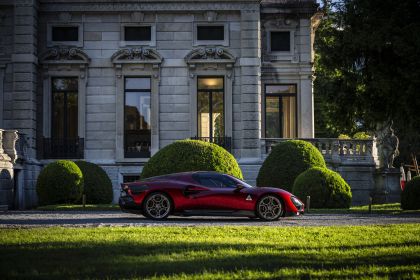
point(335, 150)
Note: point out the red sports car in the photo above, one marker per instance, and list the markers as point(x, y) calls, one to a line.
point(205, 193)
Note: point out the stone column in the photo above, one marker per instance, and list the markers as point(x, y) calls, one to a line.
point(2, 70)
point(306, 108)
point(25, 61)
point(250, 82)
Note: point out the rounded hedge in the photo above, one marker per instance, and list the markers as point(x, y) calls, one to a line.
point(97, 185)
point(59, 182)
point(410, 196)
point(286, 161)
point(191, 155)
point(326, 188)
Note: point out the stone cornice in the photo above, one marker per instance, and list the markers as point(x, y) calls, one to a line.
point(147, 6)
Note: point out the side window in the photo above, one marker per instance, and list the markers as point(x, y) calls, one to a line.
point(228, 182)
point(209, 182)
point(215, 181)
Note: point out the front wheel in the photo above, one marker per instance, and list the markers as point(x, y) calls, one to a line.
point(157, 206)
point(270, 208)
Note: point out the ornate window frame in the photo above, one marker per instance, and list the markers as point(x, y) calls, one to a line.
point(67, 62)
point(136, 62)
point(280, 25)
point(215, 61)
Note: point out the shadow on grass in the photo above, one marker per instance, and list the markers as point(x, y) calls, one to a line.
point(125, 259)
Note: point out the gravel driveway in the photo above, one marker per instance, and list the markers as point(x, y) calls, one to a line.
point(116, 218)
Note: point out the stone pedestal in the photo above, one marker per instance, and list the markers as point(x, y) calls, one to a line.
point(387, 186)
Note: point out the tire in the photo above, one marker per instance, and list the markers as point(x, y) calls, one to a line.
point(157, 206)
point(269, 208)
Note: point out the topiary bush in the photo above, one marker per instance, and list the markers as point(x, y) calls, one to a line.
point(326, 188)
point(286, 161)
point(59, 182)
point(191, 155)
point(97, 185)
point(410, 196)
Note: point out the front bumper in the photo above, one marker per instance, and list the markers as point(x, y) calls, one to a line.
point(292, 214)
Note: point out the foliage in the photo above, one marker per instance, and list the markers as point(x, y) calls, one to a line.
point(286, 161)
point(361, 135)
point(98, 186)
point(410, 197)
point(59, 182)
point(224, 252)
point(326, 188)
point(191, 155)
point(368, 69)
point(343, 136)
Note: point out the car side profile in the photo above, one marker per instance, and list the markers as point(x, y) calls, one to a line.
point(206, 193)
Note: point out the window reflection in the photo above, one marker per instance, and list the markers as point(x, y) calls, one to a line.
point(137, 134)
point(210, 103)
point(64, 108)
point(280, 111)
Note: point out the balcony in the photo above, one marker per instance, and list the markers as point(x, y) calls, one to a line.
point(69, 148)
point(225, 142)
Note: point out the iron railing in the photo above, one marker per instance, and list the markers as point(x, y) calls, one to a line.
point(59, 148)
point(225, 142)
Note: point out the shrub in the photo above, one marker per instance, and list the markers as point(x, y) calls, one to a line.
point(97, 185)
point(343, 136)
point(191, 155)
point(410, 197)
point(59, 182)
point(286, 161)
point(326, 188)
point(361, 136)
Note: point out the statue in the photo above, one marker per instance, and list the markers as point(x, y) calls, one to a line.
point(388, 145)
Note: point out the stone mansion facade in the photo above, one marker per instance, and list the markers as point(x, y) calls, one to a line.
point(112, 82)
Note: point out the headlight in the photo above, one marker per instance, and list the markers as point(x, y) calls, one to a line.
point(296, 202)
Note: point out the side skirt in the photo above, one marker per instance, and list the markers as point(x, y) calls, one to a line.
point(225, 213)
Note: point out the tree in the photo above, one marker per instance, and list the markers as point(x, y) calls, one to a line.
point(368, 68)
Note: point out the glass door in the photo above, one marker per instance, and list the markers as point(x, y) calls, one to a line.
point(210, 108)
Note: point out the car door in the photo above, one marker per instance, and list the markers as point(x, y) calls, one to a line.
point(221, 194)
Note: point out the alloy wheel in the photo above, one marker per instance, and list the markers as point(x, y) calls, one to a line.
point(269, 208)
point(157, 206)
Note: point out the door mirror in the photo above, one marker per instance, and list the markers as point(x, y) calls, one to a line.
point(239, 187)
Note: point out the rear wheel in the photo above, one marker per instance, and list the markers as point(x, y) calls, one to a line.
point(157, 206)
point(270, 208)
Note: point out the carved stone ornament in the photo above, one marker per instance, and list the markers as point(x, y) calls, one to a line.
point(137, 16)
point(64, 17)
point(210, 16)
point(210, 54)
point(388, 144)
point(142, 55)
point(73, 55)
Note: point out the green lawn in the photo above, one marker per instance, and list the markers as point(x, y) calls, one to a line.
point(234, 252)
point(389, 208)
point(78, 207)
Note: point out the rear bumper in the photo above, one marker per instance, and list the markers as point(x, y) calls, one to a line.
point(127, 204)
